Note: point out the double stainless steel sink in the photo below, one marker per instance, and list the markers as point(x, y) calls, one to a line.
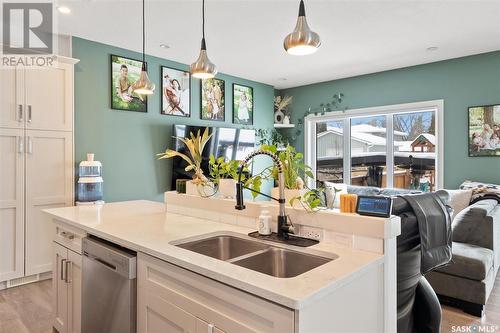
point(257, 255)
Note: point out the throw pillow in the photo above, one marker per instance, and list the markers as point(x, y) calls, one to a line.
point(333, 192)
point(481, 190)
point(459, 200)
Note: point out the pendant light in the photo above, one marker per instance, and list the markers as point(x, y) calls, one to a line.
point(144, 86)
point(203, 68)
point(302, 41)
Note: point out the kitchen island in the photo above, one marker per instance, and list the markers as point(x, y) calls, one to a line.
point(193, 292)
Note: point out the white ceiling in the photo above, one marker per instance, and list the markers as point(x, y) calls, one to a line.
point(245, 38)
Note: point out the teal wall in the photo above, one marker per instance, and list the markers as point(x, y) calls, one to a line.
point(126, 142)
point(461, 83)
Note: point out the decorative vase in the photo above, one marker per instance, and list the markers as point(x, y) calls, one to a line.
point(227, 188)
point(201, 190)
point(278, 117)
point(286, 120)
point(289, 194)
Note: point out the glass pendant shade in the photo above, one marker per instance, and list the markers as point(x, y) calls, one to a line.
point(144, 86)
point(302, 41)
point(203, 68)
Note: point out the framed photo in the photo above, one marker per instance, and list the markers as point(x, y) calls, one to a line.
point(213, 99)
point(484, 130)
point(242, 104)
point(124, 73)
point(175, 92)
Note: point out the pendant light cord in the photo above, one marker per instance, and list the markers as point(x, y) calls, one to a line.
point(203, 18)
point(143, 34)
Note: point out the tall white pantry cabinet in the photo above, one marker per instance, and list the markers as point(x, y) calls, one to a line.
point(36, 165)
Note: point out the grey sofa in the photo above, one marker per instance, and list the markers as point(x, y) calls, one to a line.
point(468, 281)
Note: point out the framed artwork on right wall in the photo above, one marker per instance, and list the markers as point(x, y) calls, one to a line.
point(484, 130)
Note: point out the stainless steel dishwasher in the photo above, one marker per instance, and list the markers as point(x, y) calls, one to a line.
point(108, 288)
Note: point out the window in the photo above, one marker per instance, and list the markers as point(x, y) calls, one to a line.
point(394, 146)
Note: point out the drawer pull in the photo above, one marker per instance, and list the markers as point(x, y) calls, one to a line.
point(67, 235)
point(63, 267)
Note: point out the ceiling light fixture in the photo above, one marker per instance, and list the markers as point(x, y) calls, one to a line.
point(64, 10)
point(144, 86)
point(432, 48)
point(203, 68)
point(164, 46)
point(302, 41)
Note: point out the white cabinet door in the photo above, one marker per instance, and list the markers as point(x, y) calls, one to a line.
point(49, 98)
point(60, 289)
point(74, 292)
point(49, 184)
point(11, 204)
point(156, 315)
point(11, 97)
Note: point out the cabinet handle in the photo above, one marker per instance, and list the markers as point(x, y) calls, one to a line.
point(20, 113)
point(30, 145)
point(29, 113)
point(20, 144)
point(67, 235)
point(69, 269)
point(63, 266)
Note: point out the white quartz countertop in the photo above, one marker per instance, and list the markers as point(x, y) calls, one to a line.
point(145, 226)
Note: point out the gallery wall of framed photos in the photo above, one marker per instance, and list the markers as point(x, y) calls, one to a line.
point(175, 91)
point(127, 142)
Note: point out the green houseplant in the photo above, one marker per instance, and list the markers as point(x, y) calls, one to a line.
point(224, 175)
point(195, 145)
point(295, 171)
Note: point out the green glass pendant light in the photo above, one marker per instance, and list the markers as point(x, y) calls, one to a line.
point(302, 40)
point(203, 68)
point(144, 86)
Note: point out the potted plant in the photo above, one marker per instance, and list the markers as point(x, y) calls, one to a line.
point(195, 145)
point(295, 170)
point(224, 175)
point(281, 105)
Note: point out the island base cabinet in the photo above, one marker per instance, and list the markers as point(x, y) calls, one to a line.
point(172, 299)
point(66, 288)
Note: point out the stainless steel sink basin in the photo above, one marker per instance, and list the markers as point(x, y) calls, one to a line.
point(282, 263)
point(277, 261)
point(224, 247)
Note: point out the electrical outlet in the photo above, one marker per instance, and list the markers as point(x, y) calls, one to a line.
point(310, 232)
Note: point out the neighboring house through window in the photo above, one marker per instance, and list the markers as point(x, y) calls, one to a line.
point(389, 146)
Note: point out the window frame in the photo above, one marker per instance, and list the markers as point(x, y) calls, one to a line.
point(387, 110)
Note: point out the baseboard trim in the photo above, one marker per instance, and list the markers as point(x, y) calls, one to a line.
point(25, 280)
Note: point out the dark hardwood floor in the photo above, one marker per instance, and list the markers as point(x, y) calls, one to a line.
point(27, 309)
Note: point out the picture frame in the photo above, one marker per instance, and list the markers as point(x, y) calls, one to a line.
point(212, 99)
point(243, 109)
point(124, 72)
point(484, 130)
point(175, 92)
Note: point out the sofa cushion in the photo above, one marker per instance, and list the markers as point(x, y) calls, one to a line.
point(363, 190)
point(391, 192)
point(469, 261)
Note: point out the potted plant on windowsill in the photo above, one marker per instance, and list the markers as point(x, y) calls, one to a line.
point(200, 184)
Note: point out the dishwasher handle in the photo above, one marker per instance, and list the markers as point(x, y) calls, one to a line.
point(110, 257)
point(101, 261)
